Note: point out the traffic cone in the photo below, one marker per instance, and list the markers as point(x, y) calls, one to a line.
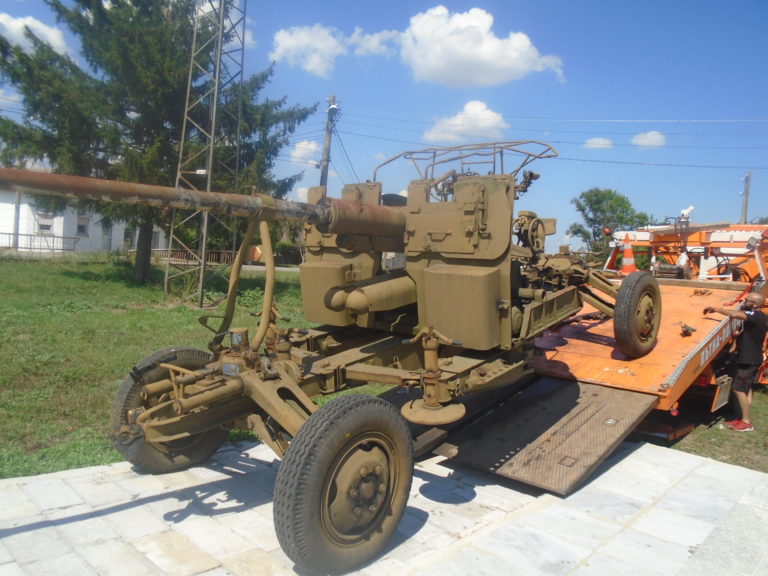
point(628, 258)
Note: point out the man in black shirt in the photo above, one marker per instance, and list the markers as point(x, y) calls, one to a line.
point(749, 354)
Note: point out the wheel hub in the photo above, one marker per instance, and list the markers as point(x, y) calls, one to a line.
point(645, 316)
point(359, 492)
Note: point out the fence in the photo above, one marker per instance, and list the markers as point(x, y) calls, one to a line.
point(38, 243)
point(182, 257)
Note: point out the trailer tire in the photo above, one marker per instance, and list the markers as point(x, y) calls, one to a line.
point(159, 458)
point(637, 314)
point(343, 485)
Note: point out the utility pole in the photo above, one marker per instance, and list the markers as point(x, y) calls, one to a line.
point(745, 199)
point(326, 160)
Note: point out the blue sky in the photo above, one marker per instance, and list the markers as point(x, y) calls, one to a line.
point(663, 101)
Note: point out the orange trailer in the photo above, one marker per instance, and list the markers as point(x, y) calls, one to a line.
point(588, 397)
point(687, 354)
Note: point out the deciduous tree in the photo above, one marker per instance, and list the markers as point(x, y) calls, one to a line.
point(603, 210)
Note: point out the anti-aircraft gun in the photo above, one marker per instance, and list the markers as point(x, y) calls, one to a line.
point(460, 317)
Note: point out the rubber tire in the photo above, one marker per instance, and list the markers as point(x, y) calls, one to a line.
point(639, 295)
point(324, 451)
point(170, 456)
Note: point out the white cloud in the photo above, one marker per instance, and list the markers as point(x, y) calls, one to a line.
point(14, 28)
point(313, 48)
point(250, 41)
point(652, 139)
point(460, 49)
point(305, 153)
point(378, 44)
point(475, 121)
point(598, 143)
point(450, 49)
point(300, 195)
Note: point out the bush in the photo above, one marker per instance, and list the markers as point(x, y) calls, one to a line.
point(287, 254)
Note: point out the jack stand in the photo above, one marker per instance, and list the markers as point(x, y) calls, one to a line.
point(437, 406)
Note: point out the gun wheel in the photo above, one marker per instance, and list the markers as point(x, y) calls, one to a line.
point(343, 485)
point(537, 235)
point(159, 458)
point(637, 314)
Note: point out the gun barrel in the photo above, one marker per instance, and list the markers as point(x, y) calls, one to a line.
point(330, 215)
point(77, 187)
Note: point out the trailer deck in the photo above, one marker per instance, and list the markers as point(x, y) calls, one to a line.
point(688, 341)
point(589, 397)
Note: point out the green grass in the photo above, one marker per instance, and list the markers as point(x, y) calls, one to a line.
point(70, 329)
point(713, 440)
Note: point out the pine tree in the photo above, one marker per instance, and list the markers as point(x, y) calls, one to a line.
point(118, 114)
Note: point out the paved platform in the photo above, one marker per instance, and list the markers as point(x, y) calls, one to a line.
point(647, 511)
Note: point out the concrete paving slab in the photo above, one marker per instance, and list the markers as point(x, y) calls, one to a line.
point(648, 510)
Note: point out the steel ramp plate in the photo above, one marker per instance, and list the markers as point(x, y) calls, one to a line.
point(552, 435)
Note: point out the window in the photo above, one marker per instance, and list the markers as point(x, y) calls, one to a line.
point(106, 237)
point(82, 225)
point(45, 223)
point(129, 238)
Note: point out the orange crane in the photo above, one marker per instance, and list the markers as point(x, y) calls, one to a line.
point(733, 252)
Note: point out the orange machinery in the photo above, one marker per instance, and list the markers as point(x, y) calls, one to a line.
point(692, 347)
point(588, 396)
point(708, 252)
point(737, 252)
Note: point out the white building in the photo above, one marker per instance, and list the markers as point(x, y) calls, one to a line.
point(69, 231)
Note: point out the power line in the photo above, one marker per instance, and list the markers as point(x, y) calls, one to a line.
point(667, 146)
point(399, 141)
point(400, 109)
point(338, 173)
point(613, 144)
point(400, 118)
point(625, 133)
point(307, 134)
point(661, 164)
point(346, 156)
point(533, 129)
point(401, 123)
point(413, 128)
point(647, 121)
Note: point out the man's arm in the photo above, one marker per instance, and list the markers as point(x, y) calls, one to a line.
point(731, 312)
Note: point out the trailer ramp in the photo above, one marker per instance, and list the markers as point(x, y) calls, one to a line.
point(552, 435)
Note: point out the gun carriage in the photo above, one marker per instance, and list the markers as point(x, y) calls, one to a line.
point(460, 317)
